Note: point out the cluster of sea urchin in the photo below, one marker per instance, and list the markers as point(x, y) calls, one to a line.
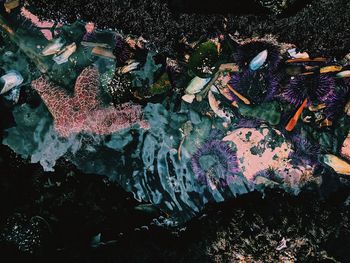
point(215, 163)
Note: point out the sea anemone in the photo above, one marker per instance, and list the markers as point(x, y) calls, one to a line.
point(215, 162)
point(246, 52)
point(255, 85)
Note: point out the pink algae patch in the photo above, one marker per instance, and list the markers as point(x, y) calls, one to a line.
point(251, 163)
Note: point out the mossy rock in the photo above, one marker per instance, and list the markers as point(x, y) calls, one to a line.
point(268, 111)
point(204, 59)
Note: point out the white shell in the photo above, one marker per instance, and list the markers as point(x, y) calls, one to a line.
point(188, 98)
point(129, 67)
point(339, 166)
point(62, 56)
point(54, 47)
point(196, 85)
point(343, 74)
point(258, 60)
point(292, 52)
point(11, 79)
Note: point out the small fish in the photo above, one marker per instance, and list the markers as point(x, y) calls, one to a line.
point(298, 60)
point(94, 44)
point(240, 96)
point(343, 74)
point(292, 52)
point(258, 60)
point(196, 85)
point(10, 80)
point(54, 47)
point(102, 52)
point(147, 209)
point(62, 56)
point(330, 69)
point(339, 166)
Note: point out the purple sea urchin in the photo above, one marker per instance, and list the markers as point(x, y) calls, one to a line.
point(307, 90)
point(246, 52)
point(337, 101)
point(314, 88)
point(255, 85)
point(215, 163)
point(121, 51)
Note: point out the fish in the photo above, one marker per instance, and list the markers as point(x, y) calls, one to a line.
point(10, 80)
point(94, 44)
point(196, 85)
point(102, 52)
point(240, 96)
point(293, 121)
point(62, 56)
point(54, 47)
point(339, 165)
point(343, 74)
point(258, 60)
point(298, 60)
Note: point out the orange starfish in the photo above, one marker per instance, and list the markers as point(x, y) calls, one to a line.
point(84, 111)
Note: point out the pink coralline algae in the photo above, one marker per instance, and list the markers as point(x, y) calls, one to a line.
point(84, 111)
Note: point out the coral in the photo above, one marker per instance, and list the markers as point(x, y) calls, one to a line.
point(215, 163)
point(84, 111)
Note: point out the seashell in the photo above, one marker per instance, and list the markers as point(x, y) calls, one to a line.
point(343, 74)
point(292, 52)
point(54, 47)
point(345, 149)
point(347, 108)
point(330, 69)
point(196, 85)
point(188, 98)
point(11, 79)
point(11, 4)
point(102, 52)
point(258, 60)
point(129, 67)
point(64, 54)
point(215, 105)
point(339, 166)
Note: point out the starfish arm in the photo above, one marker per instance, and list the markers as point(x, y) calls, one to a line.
point(54, 97)
point(87, 89)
